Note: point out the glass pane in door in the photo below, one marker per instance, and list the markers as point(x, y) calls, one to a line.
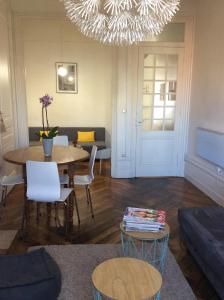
point(148, 100)
point(159, 92)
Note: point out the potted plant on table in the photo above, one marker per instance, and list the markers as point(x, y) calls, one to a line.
point(47, 134)
point(47, 140)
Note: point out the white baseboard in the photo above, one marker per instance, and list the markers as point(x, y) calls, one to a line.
point(204, 175)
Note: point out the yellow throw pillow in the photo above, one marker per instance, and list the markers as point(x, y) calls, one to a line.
point(43, 132)
point(88, 136)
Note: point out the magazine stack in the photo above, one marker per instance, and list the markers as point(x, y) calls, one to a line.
point(143, 219)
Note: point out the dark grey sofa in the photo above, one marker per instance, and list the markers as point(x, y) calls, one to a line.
point(202, 230)
point(72, 133)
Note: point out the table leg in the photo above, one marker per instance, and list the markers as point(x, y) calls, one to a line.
point(124, 244)
point(71, 198)
point(154, 251)
point(71, 169)
point(96, 294)
point(157, 296)
point(26, 216)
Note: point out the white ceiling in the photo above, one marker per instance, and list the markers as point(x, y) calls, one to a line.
point(47, 6)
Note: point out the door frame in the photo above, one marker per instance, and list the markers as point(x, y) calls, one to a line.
point(179, 146)
point(124, 102)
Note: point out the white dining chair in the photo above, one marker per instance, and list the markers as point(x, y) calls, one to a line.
point(43, 185)
point(86, 180)
point(102, 155)
point(61, 140)
point(9, 181)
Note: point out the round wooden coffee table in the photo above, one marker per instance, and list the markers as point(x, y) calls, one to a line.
point(150, 246)
point(126, 279)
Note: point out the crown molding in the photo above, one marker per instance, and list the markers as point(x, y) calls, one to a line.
point(40, 15)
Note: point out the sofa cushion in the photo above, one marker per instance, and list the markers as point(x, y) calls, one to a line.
point(205, 229)
point(33, 275)
point(86, 136)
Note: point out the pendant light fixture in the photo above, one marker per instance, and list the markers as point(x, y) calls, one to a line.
point(121, 22)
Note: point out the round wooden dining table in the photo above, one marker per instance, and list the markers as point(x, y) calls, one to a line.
point(63, 156)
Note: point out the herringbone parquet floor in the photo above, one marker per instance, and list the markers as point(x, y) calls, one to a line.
point(110, 198)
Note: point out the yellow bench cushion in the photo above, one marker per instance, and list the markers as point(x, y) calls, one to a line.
point(88, 136)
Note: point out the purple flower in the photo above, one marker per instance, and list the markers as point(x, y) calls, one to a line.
point(46, 100)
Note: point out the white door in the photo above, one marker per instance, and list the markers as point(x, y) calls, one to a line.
point(158, 112)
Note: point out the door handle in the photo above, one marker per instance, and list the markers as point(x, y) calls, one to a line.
point(139, 123)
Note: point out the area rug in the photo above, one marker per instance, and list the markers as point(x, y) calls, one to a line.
point(77, 263)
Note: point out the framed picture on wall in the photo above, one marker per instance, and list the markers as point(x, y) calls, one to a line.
point(66, 78)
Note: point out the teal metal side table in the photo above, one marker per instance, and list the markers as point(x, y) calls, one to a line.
point(150, 246)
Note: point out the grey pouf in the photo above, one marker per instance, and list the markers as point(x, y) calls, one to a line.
point(31, 276)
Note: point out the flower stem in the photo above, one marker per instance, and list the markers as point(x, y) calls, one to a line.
point(46, 118)
point(43, 118)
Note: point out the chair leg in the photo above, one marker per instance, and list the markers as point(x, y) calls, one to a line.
point(38, 213)
point(100, 167)
point(66, 217)
point(2, 204)
point(4, 195)
point(23, 224)
point(3, 190)
point(70, 209)
point(23, 221)
point(57, 220)
point(68, 214)
point(26, 220)
point(76, 205)
point(90, 201)
point(48, 214)
point(87, 194)
point(55, 213)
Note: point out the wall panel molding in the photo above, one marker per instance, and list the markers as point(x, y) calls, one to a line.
point(206, 177)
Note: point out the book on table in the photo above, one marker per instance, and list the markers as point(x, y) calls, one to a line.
point(143, 219)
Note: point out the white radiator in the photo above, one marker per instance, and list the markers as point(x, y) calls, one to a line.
point(210, 146)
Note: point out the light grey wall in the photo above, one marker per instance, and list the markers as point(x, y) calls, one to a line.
point(207, 103)
point(207, 100)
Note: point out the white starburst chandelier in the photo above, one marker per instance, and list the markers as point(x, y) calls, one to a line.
point(121, 22)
